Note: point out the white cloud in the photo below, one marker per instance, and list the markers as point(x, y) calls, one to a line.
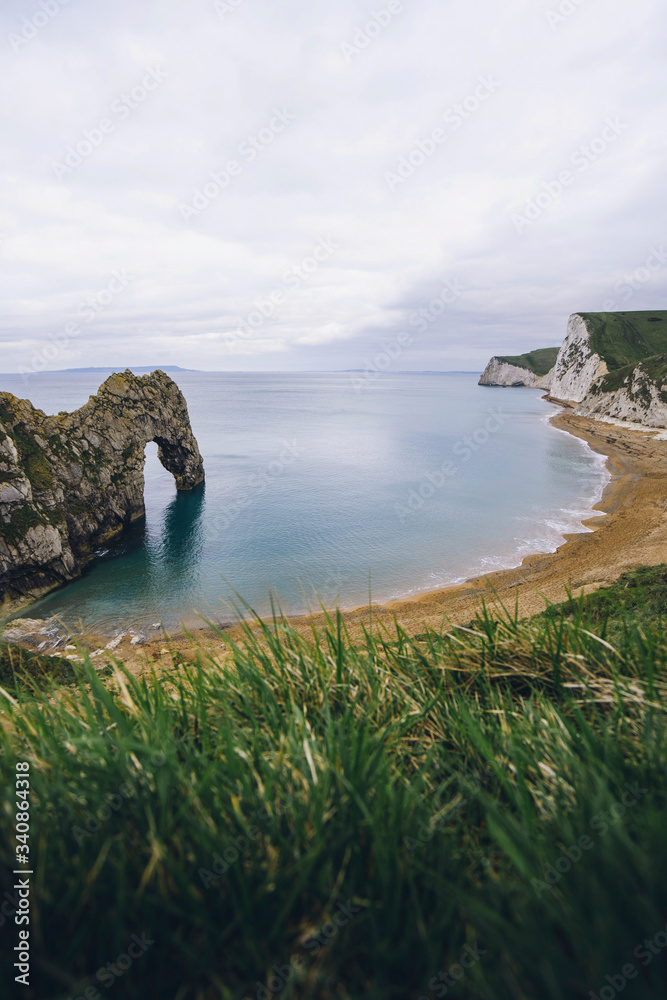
point(221, 80)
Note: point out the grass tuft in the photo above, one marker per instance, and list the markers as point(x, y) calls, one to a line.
point(362, 814)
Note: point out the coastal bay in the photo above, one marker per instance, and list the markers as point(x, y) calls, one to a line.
point(630, 530)
point(317, 491)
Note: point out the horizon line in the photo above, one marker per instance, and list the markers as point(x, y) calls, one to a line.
point(246, 371)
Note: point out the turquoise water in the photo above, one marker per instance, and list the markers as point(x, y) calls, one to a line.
point(316, 484)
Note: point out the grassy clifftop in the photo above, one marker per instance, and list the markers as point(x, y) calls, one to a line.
point(540, 362)
point(625, 338)
point(327, 817)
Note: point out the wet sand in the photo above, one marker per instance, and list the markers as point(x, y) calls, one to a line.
point(632, 532)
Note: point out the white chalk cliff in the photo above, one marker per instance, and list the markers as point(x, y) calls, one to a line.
point(577, 366)
point(502, 373)
point(610, 366)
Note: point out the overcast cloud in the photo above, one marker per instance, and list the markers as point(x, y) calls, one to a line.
point(447, 179)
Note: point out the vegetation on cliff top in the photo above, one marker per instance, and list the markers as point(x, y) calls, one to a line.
point(655, 373)
point(539, 362)
point(625, 338)
point(326, 817)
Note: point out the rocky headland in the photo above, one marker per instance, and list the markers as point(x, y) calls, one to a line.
point(70, 482)
point(611, 366)
point(533, 370)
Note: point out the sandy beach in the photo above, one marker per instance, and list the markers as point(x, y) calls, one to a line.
point(630, 531)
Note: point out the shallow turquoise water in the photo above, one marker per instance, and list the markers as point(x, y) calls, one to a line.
point(315, 486)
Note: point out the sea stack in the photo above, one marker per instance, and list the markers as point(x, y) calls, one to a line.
point(70, 482)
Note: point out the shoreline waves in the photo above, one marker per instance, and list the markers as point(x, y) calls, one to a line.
point(562, 523)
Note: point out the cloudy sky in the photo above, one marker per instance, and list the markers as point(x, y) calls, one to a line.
point(245, 184)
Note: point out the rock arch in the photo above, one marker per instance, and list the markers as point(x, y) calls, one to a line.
point(70, 482)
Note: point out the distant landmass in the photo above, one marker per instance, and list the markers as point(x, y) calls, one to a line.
point(113, 368)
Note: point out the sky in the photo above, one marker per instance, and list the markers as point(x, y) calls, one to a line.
point(251, 185)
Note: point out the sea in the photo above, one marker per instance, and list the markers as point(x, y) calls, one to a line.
point(328, 489)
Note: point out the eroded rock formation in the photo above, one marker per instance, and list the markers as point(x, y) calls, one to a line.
point(70, 482)
point(501, 373)
point(637, 394)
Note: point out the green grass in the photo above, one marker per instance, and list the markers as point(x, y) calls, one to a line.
point(655, 369)
point(434, 786)
point(625, 338)
point(21, 670)
point(540, 362)
point(637, 599)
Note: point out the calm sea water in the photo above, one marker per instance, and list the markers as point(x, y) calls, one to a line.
point(317, 488)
